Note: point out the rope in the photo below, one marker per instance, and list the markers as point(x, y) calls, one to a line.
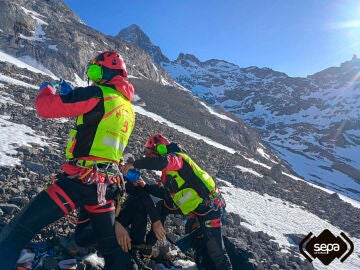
point(215, 208)
point(170, 208)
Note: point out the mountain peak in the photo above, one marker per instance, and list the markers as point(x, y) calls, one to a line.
point(134, 27)
point(188, 57)
point(135, 35)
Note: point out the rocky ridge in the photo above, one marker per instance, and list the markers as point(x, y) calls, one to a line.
point(54, 36)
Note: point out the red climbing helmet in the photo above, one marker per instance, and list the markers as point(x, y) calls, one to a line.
point(155, 145)
point(111, 60)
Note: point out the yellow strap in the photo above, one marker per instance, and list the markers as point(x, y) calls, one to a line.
point(81, 177)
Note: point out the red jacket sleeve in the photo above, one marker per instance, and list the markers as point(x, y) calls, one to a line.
point(50, 105)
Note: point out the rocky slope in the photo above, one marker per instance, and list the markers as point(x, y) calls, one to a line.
point(255, 250)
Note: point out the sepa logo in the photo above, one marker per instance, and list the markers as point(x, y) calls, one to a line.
point(326, 247)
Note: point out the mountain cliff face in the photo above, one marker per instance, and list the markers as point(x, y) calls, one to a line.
point(52, 35)
point(312, 122)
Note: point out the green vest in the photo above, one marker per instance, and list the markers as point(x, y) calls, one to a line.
point(103, 132)
point(188, 195)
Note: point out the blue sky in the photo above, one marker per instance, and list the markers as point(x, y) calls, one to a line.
point(291, 36)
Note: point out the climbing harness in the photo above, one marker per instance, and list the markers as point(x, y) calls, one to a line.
point(102, 175)
point(102, 178)
point(214, 202)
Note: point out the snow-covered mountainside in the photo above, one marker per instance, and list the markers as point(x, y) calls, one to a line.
point(312, 122)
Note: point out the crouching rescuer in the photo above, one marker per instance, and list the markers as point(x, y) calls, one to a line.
point(191, 191)
point(90, 178)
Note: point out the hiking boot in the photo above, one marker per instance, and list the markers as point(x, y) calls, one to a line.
point(141, 254)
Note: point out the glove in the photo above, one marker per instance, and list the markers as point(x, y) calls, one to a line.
point(65, 87)
point(44, 84)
